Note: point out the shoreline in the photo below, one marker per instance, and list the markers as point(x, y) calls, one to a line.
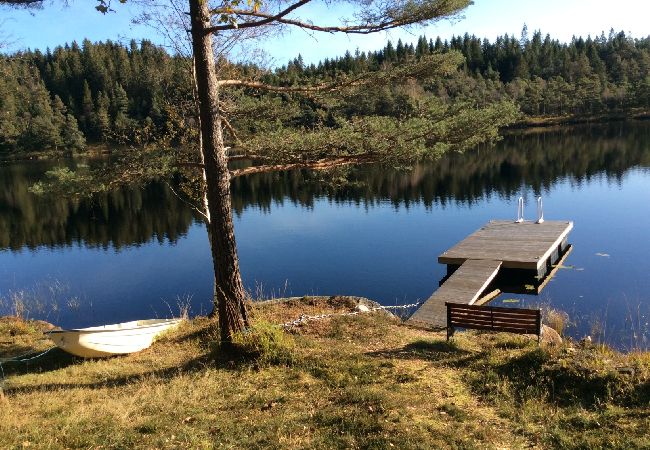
point(525, 125)
point(362, 381)
point(571, 119)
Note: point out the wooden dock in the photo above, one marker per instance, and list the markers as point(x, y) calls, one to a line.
point(475, 262)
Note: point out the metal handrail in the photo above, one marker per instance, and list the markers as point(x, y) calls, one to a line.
point(540, 210)
point(520, 210)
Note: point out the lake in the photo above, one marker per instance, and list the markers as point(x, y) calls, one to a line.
point(366, 231)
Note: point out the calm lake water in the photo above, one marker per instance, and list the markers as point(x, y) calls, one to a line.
point(371, 231)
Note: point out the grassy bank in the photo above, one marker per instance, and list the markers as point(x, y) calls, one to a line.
point(361, 381)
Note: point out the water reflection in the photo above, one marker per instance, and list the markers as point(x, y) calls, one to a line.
point(124, 217)
point(134, 216)
point(535, 161)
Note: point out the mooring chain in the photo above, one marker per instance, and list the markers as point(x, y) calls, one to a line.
point(306, 318)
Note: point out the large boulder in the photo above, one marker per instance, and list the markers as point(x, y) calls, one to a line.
point(550, 336)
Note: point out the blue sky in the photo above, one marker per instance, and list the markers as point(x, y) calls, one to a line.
point(487, 18)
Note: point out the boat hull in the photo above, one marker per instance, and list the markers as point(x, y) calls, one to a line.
point(109, 340)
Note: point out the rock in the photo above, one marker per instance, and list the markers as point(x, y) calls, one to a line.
point(362, 308)
point(45, 326)
point(550, 336)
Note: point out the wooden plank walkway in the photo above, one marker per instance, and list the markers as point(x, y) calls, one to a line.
point(526, 245)
point(529, 246)
point(465, 285)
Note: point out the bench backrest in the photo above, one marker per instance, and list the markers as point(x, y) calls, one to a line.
point(513, 320)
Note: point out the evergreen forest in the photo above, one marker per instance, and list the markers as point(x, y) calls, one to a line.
point(63, 99)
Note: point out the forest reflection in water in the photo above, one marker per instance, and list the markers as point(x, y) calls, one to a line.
point(137, 215)
point(123, 217)
point(366, 230)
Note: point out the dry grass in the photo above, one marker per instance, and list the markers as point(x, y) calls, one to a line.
point(348, 382)
point(558, 320)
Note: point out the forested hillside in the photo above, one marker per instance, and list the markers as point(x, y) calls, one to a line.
point(105, 92)
point(544, 76)
point(110, 93)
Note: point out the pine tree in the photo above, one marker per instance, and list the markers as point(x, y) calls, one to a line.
point(102, 116)
point(389, 52)
point(9, 125)
point(72, 138)
point(523, 41)
point(87, 110)
point(400, 51)
point(42, 132)
point(422, 47)
point(58, 119)
point(120, 100)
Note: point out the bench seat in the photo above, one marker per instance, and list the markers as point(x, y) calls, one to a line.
point(493, 318)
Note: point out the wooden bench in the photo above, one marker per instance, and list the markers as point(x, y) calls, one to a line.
point(492, 318)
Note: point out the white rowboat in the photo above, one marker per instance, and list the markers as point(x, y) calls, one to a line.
point(109, 340)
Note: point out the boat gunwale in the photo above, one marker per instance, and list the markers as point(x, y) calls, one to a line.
point(91, 331)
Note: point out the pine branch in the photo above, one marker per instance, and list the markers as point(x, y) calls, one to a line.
point(245, 156)
point(431, 65)
point(321, 164)
point(391, 16)
point(267, 18)
point(230, 128)
point(271, 88)
point(22, 3)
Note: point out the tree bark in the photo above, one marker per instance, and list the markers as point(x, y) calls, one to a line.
point(229, 295)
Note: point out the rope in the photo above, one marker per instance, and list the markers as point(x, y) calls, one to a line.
point(306, 318)
point(19, 358)
point(31, 352)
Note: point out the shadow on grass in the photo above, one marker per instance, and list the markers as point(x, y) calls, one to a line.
point(14, 350)
point(54, 359)
point(438, 346)
point(220, 358)
point(165, 373)
point(438, 351)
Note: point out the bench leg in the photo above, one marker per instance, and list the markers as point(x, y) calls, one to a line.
point(450, 331)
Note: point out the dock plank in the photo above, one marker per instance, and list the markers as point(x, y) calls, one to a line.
point(465, 285)
point(524, 245)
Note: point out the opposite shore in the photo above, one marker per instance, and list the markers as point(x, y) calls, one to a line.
point(534, 124)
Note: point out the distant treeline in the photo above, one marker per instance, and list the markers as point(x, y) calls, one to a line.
point(105, 92)
point(542, 75)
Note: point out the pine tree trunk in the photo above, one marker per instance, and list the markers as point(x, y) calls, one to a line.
point(229, 295)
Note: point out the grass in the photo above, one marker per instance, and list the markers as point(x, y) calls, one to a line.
point(361, 381)
point(558, 320)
